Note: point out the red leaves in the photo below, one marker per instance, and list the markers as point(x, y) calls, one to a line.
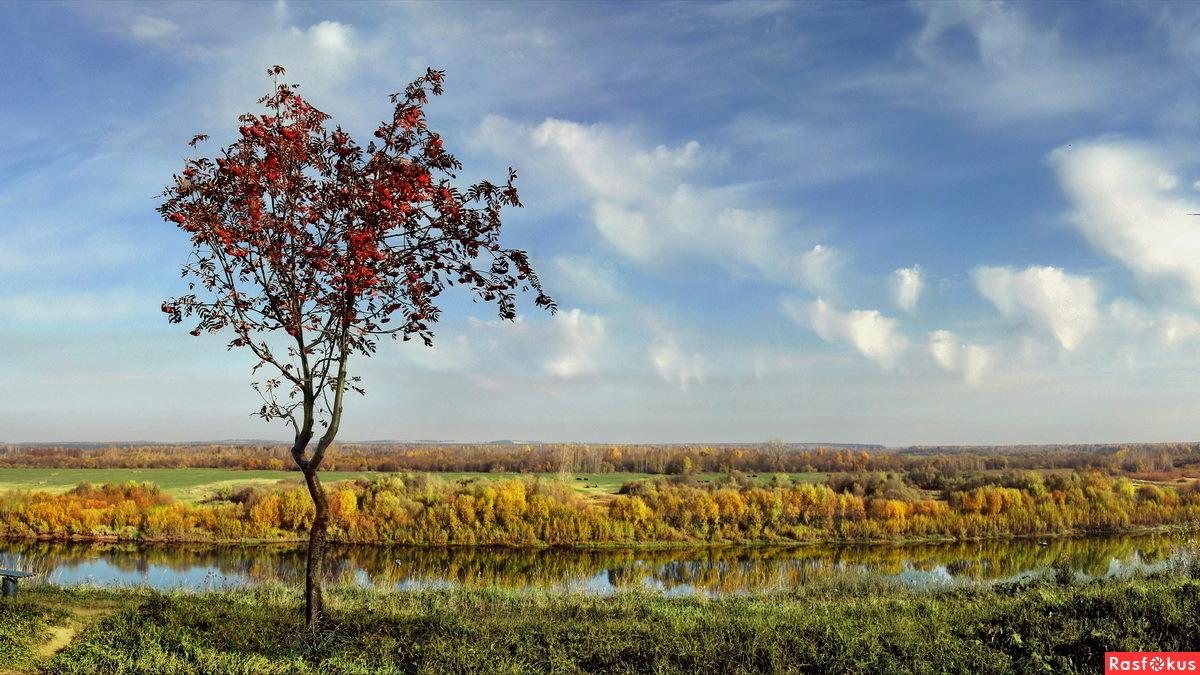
point(411, 118)
point(296, 226)
point(433, 149)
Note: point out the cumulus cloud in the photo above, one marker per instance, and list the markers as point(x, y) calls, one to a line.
point(907, 284)
point(1126, 207)
point(1046, 297)
point(872, 334)
point(971, 361)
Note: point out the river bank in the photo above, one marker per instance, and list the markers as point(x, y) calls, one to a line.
point(860, 627)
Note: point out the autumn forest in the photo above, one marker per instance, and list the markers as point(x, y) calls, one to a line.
point(772, 493)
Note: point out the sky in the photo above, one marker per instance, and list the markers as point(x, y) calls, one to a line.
point(928, 223)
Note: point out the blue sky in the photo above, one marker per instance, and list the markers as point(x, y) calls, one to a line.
point(925, 223)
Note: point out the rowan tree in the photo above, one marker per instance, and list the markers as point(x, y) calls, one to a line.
point(308, 247)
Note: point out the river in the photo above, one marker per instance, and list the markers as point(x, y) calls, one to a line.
point(676, 571)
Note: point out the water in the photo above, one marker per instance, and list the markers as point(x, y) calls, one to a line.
point(709, 571)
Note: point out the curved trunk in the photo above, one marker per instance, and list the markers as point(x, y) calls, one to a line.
point(315, 572)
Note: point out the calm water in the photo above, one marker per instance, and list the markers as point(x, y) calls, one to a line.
point(676, 571)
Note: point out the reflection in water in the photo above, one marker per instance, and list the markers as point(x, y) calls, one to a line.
point(713, 571)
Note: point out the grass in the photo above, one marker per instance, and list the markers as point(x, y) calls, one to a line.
point(837, 626)
point(188, 485)
point(191, 485)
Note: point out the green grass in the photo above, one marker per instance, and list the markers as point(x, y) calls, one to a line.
point(24, 624)
point(836, 626)
point(190, 485)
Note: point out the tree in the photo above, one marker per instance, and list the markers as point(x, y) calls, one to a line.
point(307, 245)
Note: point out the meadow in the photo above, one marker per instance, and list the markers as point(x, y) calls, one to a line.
point(197, 484)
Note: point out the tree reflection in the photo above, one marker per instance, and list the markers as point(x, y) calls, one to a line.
point(714, 571)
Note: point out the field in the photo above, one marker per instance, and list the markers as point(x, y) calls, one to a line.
point(192, 485)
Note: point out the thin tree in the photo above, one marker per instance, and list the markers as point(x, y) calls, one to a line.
point(308, 247)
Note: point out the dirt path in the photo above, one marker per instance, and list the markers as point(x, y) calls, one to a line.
point(61, 636)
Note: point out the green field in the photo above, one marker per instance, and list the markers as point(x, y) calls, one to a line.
point(191, 485)
point(188, 485)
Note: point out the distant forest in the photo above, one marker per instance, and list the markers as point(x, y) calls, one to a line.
point(1151, 461)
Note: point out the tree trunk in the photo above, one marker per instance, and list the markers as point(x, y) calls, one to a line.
point(315, 573)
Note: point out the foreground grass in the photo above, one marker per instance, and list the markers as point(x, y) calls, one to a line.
point(834, 626)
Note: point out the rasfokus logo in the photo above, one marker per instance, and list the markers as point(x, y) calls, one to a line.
point(1151, 662)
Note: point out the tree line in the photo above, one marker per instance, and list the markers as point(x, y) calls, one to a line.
point(1151, 461)
point(423, 509)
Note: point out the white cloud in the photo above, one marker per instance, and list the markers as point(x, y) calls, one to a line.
point(872, 334)
point(567, 346)
point(1126, 207)
point(674, 366)
point(1159, 327)
point(944, 347)
point(452, 354)
point(152, 29)
point(815, 269)
point(579, 335)
point(643, 204)
point(907, 283)
point(972, 361)
point(1046, 297)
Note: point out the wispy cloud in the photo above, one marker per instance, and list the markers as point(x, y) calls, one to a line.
point(993, 61)
point(643, 203)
